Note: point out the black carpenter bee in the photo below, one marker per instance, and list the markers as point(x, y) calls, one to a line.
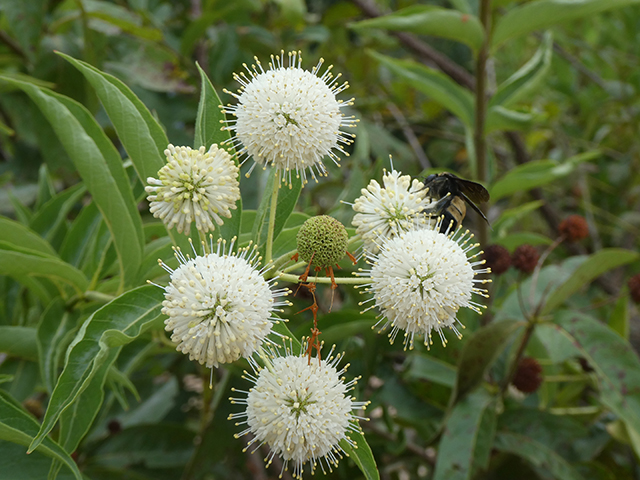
point(450, 194)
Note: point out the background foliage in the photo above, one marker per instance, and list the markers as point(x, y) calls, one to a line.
point(109, 398)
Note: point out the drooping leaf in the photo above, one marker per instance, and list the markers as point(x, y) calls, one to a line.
point(22, 263)
point(527, 78)
point(439, 87)
point(537, 455)
point(543, 14)
point(99, 164)
point(116, 324)
point(18, 427)
point(594, 266)
point(17, 234)
point(537, 173)
point(479, 353)
point(142, 136)
point(465, 444)
point(425, 367)
point(431, 20)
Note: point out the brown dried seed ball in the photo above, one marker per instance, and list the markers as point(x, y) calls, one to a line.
point(634, 288)
point(528, 376)
point(574, 228)
point(497, 259)
point(324, 238)
point(525, 258)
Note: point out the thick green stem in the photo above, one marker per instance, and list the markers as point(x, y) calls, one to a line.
point(287, 277)
point(272, 219)
point(479, 134)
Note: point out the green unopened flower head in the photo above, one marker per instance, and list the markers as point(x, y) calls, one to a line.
point(324, 238)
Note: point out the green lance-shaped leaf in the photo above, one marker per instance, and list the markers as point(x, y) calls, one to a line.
point(616, 365)
point(210, 118)
point(595, 265)
point(287, 199)
point(22, 263)
point(536, 174)
point(431, 20)
point(479, 353)
point(537, 454)
point(467, 438)
point(142, 136)
point(527, 78)
point(100, 166)
point(209, 121)
point(17, 234)
point(542, 14)
point(500, 118)
point(17, 426)
point(116, 324)
point(54, 326)
point(439, 87)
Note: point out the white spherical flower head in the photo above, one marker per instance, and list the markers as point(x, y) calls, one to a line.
point(219, 305)
point(300, 408)
point(194, 185)
point(385, 212)
point(420, 279)
point(288, 117)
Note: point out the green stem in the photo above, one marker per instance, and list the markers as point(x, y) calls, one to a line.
point(518, 356)
point(272, 219)
point(287, 277)
point(479, 134)
point(206, 415)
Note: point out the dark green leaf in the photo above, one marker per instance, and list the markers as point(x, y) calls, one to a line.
point(116, 324)
point(537, 454)
point(616, 364)
point(619, 319)
point(361, 455)
point(17, 426)
point(50, 220)
point(433, 83)
point(594, 266)
point(480, 352)
point(431, 20)
point(425, 367)
point(460, 453)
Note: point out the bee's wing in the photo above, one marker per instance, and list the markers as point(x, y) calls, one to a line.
point(473, 191)
point(474, 206)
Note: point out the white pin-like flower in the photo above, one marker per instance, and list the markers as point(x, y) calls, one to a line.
point(421, 278)
point(301, 409)
point(288, 117)
point(384, 212)
point(219, 305)
point(194, 185)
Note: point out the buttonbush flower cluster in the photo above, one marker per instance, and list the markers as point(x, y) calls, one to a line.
point(222, 304)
